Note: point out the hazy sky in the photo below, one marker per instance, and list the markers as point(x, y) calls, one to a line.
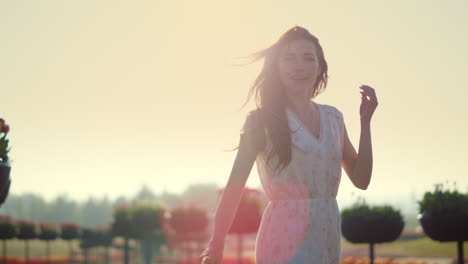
point(104, 96)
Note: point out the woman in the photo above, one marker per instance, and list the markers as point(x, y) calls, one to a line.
point(299, 147)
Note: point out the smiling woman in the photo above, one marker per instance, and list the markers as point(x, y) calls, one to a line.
point(299, 147)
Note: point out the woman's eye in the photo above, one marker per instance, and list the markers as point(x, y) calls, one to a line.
point(310, 59)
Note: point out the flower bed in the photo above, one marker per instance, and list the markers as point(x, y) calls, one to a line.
point(355, 260)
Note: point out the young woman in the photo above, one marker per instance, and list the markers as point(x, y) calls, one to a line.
point(300, 147)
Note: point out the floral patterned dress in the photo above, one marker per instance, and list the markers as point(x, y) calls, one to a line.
point(301, 223)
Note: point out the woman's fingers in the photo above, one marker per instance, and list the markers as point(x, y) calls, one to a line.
point(370, 92)
point(364, 97)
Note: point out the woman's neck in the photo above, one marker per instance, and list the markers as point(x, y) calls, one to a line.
point(301, 106)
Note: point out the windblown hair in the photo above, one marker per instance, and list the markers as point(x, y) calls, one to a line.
point(271, 99)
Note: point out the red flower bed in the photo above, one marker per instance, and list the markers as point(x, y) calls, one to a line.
point(226, 260)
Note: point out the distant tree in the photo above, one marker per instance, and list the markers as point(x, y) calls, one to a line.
point(19, 208)
point(9, 207)
point(119, 200)
point(107, 209)
point(96, 212)
point(203, 194)
point(146, 193)
point(38, 208)
point(171, 199)
point(62, 209)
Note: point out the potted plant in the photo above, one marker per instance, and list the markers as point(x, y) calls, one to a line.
point(145, 217)
point(88, 240)
point(122, 226)
point(104, 238)
point(444, 216)
point(26, 232)
point(189, 218)
point(364, 224)
point(248, 215)
point(247, 219)
point(7, 231)
point(5, 166)
point(69, 231)
point(47, 234)
point(189, 221)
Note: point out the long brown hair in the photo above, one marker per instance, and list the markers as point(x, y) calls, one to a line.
point(270, 98)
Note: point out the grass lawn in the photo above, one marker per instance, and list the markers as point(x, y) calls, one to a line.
point(421, 247)
point(37, 248)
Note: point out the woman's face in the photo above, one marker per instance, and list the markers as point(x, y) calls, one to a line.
point(298, 67)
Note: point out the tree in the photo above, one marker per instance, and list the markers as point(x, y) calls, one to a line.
point(205, 194)
point(146, 193)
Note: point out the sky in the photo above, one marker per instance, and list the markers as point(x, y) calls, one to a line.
point(105, 96)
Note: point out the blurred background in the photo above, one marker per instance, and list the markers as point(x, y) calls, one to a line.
point(112, 100)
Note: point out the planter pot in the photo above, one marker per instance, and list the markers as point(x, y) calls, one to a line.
point(371, 231)
point(123, 228)
point(26, 232)
point(4, 173)
point(69, 234)
point(104, 239)
point(445, 227)
point(26, 236)
point(7, 231)
point(48, 236)
point(4, 193)
point(5, 181)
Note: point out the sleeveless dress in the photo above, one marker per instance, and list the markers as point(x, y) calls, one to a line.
point(301, 222)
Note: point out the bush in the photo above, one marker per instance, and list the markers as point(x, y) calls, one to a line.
point(441, 202)
point(7, 227)
point(48, 231)
point(26, 230)
point(189, 218)
point(360, 210)
point(69, 231)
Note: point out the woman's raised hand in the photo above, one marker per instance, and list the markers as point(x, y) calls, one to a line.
point(368, 104)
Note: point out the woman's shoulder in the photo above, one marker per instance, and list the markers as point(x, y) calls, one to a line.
point(332, 110)
point(252, 120)
point(252, 130)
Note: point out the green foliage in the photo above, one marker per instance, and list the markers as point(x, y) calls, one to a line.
point(7, 228)
point(188, 218)
point(94, 237)
point(248, 214)
point(442, 201)
point(69, 233)
point(360, 210)
point(138, 218)
point(4, 149)
point(26, 229)
point(122, 213)
point(146, 216)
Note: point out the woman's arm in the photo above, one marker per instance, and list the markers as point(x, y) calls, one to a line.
point(359, 166)
point(229, 202)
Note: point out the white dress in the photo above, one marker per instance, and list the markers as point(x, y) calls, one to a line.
point(301, 223)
